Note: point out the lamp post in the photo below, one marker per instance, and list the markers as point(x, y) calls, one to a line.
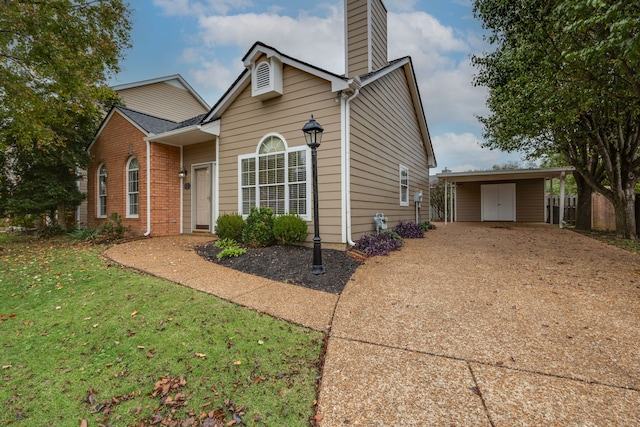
point(313, 134)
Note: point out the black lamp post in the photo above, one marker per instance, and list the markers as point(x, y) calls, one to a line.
point(313, 134)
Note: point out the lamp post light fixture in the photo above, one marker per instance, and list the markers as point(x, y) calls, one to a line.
point(183, 173)
point(313, 135)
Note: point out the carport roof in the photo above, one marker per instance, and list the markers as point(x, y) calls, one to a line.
point(505, 175)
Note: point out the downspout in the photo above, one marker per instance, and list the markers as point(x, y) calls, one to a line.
point(347, 158)
point(181, 191)
point(148, 232)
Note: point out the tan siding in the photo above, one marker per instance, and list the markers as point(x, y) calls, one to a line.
point(247, 120)
point(357, 37)
point(204, 152)
point(378, 35)
point(385, 134)
point(162, 100)
point(530, 200)
point(468, 202)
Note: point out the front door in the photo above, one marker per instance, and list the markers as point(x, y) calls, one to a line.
point(499, 202)
point(202, 203)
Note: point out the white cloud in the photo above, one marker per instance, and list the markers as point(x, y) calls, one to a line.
point(316, 40)
point(188, 7)
point(453, 151)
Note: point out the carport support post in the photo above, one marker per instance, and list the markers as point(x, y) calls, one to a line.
point(561, 213)
point(446, 184)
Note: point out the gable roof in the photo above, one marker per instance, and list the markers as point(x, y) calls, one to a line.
point(145, 123)
point(148, 123)
point(175, 79)
point(258, 49)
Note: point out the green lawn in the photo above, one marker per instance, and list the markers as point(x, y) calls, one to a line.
point(83, 339)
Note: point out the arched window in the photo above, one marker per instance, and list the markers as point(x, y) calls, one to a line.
point(132, 188)
point(102, 191)
point(275, 177)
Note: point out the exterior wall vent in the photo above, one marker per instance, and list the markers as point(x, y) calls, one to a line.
point(266, 79)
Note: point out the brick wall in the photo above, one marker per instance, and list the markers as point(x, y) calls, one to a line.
point(117, 143)
point(165, 195)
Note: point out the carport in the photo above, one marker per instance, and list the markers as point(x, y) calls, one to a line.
point(519, 195)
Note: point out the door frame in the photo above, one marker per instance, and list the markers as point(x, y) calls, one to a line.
point(212, 173)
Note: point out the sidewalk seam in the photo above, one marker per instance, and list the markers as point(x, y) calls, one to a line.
point(476, 389)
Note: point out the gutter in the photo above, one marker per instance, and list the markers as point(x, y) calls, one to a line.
point(148, 232)
point(346, 164)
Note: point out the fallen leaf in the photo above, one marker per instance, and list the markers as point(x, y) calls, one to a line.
point(134, 313)
point(318, 417)
point(201, 355)
point(237, 362)
point(84, 423)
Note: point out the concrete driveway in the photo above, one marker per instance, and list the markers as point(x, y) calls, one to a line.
point(496, 325)
point(474, 325)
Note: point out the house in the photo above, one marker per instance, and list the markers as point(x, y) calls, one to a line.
point(166, 176)
point(501, 195)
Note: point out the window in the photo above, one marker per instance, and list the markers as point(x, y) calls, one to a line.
point(404, 186)
point(102, 191)
point(132, 188)
point(275, 177)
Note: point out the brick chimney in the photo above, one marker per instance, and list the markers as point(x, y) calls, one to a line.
point(365, 23)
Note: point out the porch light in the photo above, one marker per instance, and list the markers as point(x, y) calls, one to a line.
point(313, 134)
point(183, 173)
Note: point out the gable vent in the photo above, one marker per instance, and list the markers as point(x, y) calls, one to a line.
point(262, 75)
point(266, 79)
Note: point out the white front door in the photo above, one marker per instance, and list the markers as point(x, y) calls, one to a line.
point(498, 202)
point(203, 197)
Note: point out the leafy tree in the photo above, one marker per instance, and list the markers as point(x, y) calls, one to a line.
point(55, 59)
point(564, 79)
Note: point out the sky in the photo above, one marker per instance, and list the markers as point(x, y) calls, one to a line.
point(204, 41)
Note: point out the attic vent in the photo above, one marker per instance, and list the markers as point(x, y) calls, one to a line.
point(262, 75)
point(266, 79)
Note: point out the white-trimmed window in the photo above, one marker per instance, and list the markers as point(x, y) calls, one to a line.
point(132, 188)
point(404, 186)
point(276, 177)
point(102, 191)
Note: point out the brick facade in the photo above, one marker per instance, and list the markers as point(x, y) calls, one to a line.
point(118, 142)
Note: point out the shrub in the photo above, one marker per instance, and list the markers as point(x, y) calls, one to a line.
point(409, 230)
point(380, 244)
point(226, 243)
point(229, 226)
point(113, 229)
point(232, 251)
point(88, 234)
point(426, 226)
point(258, 230)
point(289, 229)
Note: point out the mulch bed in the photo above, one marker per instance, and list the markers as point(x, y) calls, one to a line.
point(289, 264)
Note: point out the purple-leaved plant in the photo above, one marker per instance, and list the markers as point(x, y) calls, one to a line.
point(409, 230)
point(380, 244)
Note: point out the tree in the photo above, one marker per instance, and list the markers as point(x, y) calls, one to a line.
point(564, 78)
point(55, 59)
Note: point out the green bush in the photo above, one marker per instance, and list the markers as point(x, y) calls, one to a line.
point(258, 230)
point(113, 229)
point(426, 226)
point(232, 251)
point(88, 234)
point(289, 229)
point(226, 243)
point(229, 226)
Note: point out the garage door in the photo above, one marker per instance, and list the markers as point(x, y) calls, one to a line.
point(498, 202)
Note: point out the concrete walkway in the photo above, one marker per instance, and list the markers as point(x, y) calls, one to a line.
point(476, 324)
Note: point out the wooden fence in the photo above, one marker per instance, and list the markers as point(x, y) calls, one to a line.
point(570, 208)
